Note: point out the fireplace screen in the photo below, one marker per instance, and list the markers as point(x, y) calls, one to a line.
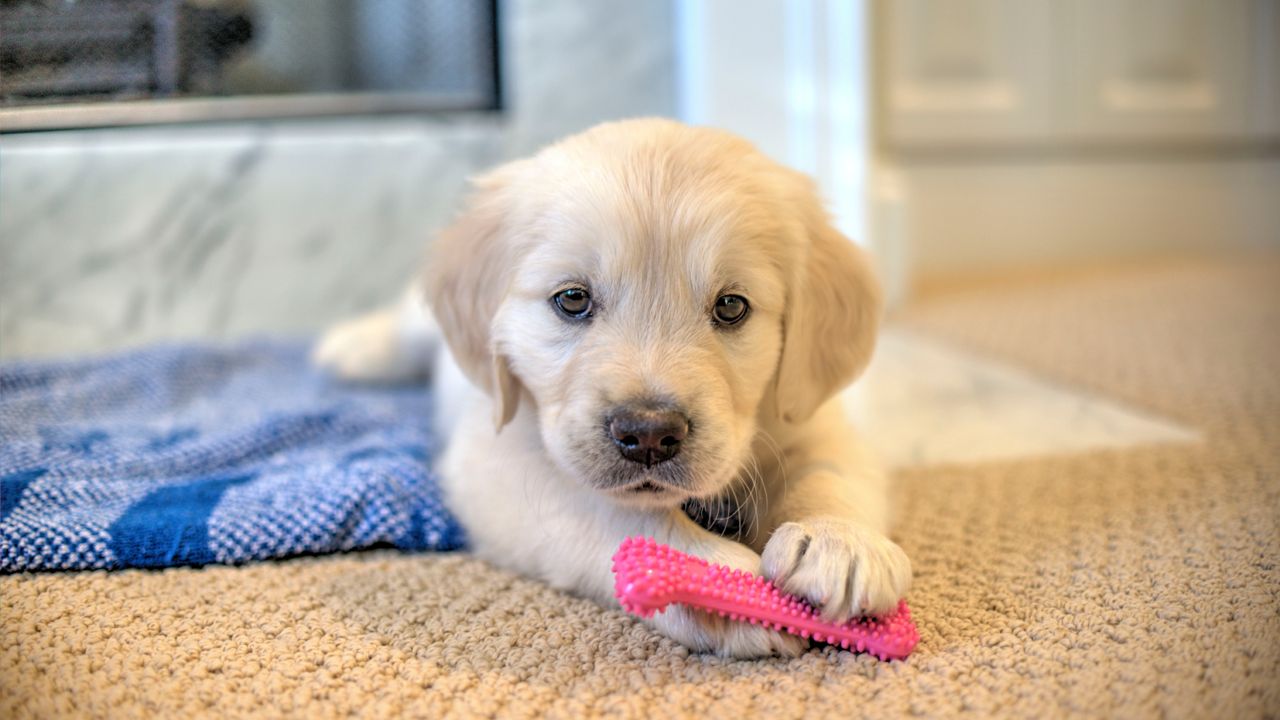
point(67, 63)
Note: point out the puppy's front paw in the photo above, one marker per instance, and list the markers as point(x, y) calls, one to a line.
point(743, 640)
point(708, 632)
point(839, 566)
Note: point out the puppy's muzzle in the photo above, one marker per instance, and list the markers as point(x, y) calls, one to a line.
point(648, 434)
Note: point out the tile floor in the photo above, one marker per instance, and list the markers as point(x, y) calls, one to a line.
point(923, 402)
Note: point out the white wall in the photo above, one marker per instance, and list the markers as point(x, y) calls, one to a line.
point(796, 79)
point(792, 78)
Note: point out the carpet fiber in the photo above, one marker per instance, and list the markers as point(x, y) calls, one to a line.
point(1131, 583)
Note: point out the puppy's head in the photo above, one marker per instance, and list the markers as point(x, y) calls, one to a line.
point(652, 289)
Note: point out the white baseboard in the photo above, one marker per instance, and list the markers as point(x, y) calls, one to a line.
point(965, 217)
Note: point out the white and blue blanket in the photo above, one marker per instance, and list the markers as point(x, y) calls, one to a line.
point(188, 455)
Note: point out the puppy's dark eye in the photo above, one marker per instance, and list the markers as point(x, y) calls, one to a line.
point(730, 309)
point(573, 303)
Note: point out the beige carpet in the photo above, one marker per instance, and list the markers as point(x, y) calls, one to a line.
point(1129, 583)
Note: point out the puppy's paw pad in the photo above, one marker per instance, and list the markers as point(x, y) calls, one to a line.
point(842, 568)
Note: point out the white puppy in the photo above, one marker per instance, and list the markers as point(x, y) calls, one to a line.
point(645, 325)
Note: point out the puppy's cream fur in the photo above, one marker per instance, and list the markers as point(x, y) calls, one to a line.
point(657, 220)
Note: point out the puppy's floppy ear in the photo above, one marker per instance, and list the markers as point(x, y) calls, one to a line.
point(467, 277)
point(830, 325)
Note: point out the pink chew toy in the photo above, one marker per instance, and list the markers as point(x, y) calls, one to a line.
point(650, 576)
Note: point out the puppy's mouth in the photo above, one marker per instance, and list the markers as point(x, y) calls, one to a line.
point(669, 484)
point(650, 493)
point(645, 488)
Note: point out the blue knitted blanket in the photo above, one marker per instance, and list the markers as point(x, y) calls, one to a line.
point(187, 455)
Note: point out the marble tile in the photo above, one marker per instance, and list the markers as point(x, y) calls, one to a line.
point(115, 238)
point(925, 403)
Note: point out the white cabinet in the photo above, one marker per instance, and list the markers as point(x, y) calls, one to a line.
point(967, 70)
point(1177, 69)
point(1011, 72)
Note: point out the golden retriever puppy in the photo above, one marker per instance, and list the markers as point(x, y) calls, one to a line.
point(644, 328)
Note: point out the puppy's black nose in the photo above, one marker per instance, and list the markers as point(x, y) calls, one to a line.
point(648, 435)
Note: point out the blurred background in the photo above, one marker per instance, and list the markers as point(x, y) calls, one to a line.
point(214, 168)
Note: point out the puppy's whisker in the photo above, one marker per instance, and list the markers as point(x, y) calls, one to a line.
point(756, 489)
point(773, 447)
point(759, 508)
point(763, 508)
point(749, 489)
point(752, 480)
point(737, 507)
point(746, 476)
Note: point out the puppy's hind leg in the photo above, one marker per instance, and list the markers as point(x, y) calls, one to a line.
point(394, 344)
